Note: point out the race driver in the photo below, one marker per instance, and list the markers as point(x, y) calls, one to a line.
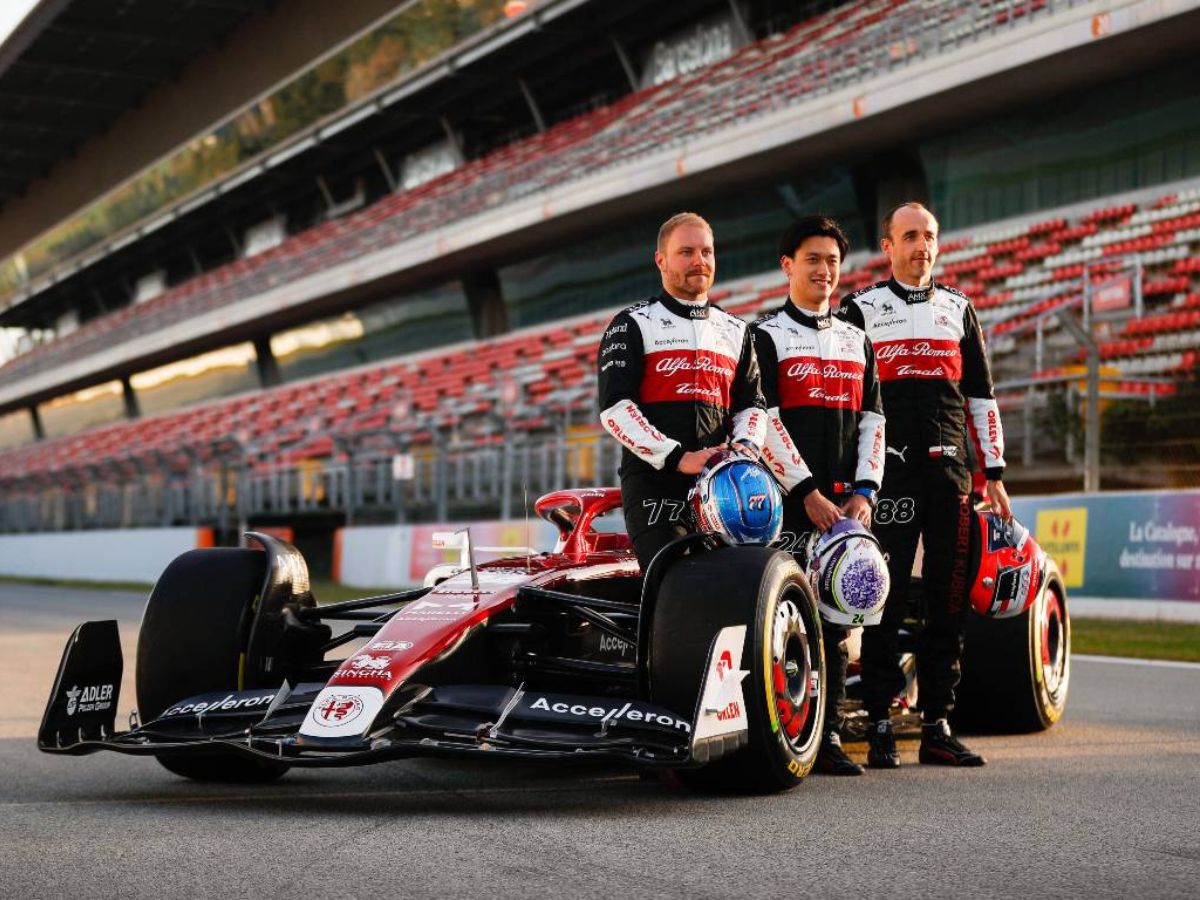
point(678, 384)
point(825, 434)
point(936, 388)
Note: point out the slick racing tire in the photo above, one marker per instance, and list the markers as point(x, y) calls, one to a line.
point(193, 635)
point(1016, 671)
point(764, 590)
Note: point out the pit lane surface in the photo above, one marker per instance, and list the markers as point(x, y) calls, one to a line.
point(1105, 804)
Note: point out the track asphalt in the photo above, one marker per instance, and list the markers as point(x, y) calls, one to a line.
point(1105, 804)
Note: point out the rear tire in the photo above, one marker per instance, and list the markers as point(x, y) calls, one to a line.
point(194, 632)
point(764, 590)
point(1016, 671)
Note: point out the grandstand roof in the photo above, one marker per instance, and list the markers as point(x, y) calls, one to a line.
point(71, 68)
point(479, 89)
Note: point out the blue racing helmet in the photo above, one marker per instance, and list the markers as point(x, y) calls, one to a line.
point(738, 499)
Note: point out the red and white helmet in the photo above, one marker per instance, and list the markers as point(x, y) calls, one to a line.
point(1011, 569)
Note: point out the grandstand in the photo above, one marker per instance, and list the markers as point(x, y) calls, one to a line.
point(482, 409)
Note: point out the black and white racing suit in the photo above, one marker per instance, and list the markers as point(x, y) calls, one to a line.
point(674, 377)
point(825, 433)
point(937, 390)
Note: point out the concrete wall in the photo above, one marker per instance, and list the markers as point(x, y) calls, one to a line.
point(119, 555)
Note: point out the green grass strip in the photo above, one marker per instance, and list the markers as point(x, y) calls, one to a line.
point(1136, 638)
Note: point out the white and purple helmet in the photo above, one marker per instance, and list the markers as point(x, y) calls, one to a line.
point(846, 570)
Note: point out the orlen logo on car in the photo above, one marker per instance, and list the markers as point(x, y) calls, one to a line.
point(336, 710)
point(725, 666)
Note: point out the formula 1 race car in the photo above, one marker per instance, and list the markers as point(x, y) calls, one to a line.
point(710, 665)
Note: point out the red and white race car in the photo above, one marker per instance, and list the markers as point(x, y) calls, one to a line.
point(711, 665)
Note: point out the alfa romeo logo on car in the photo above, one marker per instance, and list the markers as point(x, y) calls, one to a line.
point(338, 709)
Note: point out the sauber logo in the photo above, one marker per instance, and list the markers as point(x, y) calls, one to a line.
point(338, 709)
point(889, 352)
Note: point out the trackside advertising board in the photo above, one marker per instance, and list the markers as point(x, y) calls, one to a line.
point(1135, 545)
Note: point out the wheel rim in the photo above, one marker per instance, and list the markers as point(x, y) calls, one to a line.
point(1054, 644)
point(795, 683)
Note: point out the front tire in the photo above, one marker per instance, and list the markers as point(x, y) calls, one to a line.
point(785, 691)
point(193, 636)
point(1016, 671)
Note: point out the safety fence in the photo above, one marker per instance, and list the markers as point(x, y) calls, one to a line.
point(434, 482)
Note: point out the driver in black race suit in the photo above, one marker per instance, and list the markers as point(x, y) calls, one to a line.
point(937, 388)
point(678, 383)
point(825, 436)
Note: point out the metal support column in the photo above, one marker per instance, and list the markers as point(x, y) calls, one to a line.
point(35, 419)
point(1091, 446)
point(132, 411)
point(388, 175)
point(623, 58)
point(538, 119)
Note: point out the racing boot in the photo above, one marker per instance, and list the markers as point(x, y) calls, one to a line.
point(832, 759)
point(881, 746)
point(941, 748)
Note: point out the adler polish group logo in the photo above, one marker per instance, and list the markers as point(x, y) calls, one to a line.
point(90, 698)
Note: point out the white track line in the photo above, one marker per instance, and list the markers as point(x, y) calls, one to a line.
point(1130, 661)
